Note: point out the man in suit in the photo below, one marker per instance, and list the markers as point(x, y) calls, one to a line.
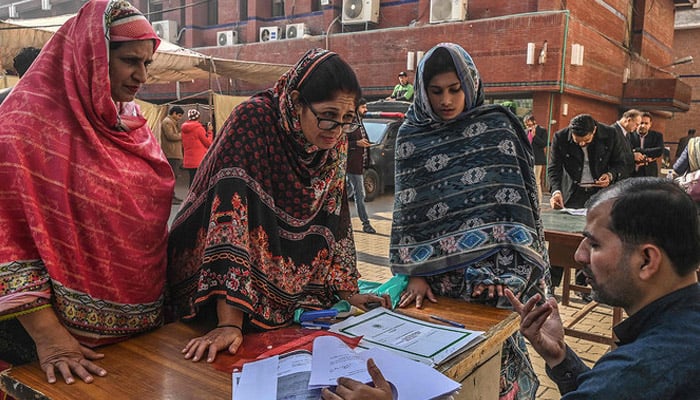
point(647, 147)
point(538, 138)
point(585, 157)
point(627, 127)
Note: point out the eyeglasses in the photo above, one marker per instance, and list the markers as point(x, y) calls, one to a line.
point(330, 124)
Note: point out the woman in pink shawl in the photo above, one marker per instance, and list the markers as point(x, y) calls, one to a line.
point(85, 196)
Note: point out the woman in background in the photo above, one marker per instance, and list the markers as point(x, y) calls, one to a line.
point(195, 142)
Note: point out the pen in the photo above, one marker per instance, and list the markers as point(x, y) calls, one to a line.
point(447, 321)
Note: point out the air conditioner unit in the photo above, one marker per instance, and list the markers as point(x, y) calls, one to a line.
point(268, 33)
point(226, 38)
point(295, 31)
point(447, 10)
point(325, 2)
point(360, 11)
point(166, 30)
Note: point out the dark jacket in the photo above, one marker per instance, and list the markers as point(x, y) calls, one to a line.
point(656, 358)
point(653, 148)
point(608, 152)
point(629, 139)
point(539, 143)
point(356, 154)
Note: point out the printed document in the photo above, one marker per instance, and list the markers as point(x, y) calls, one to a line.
point(409, 337)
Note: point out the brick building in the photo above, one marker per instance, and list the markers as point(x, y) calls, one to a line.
point(556, 57)
point(685, 43)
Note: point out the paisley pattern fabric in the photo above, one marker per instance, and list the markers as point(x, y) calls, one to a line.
point(84, 190)
point(466, 210)
point(265, 224)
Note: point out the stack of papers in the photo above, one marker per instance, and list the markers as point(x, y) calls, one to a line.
point(300, 375)
point(408, 337)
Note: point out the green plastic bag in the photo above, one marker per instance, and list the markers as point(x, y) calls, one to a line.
point(393, 287)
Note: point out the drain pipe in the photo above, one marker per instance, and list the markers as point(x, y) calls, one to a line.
point(328, 31)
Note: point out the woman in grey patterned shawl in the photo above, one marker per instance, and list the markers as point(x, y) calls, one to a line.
point(466, 218)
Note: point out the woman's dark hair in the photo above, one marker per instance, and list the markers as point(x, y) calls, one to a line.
point(331, 77)
point(438, 63)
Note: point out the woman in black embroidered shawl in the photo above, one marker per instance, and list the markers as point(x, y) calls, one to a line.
point(265, 228)
point(483, 231)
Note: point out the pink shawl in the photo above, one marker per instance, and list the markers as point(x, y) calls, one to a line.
point(85, 193)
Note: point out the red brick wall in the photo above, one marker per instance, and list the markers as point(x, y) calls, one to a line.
point(686, 44)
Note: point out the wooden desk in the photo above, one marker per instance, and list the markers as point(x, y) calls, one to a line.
point(151, 366)
point(563, 232)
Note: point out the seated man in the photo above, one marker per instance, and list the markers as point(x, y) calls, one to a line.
point(640, 251)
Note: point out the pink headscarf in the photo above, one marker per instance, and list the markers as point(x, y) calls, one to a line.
point(85, 193)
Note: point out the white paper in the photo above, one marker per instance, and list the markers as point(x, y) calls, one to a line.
point(410, 337)
point(411, 379)
point(258, 380)
point(575, 211)
point(278, 377)
point(332, 359)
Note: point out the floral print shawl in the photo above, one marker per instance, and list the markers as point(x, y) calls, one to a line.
point(484, 225)
point(265, 224)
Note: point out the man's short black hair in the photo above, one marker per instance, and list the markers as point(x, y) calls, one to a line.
point(176, 110)
point(582, 124)
point(403, 73)
point(24, 59)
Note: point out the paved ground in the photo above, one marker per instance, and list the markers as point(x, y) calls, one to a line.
point(372, 256)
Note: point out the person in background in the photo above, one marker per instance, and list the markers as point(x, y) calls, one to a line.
point(265, 229)
point(627, 126)
point(647, 147)
point(357, 161)
point(171, 142)
point(585, 157)
point(22, 61)
point(84, 204)
point(195, 142)
point(689, 159)
point(477, 157)
point(403, 91)
point(683, 142)
point(537, 136)
point(640, 251)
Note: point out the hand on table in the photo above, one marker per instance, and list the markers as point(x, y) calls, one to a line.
point(417, 289)
point(214, 341)
point(360, 300)
point(58, 349)
point(556, 201)
point(350, 389)
point(493, 290)
point(542, 326)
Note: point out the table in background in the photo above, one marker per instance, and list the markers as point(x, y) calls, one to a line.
point(563, 232)
point(151, 366)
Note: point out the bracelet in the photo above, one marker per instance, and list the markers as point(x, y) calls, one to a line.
point(350, 296)
point(230, 326)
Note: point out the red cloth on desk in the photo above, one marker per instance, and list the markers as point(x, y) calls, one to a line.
point(267, 344)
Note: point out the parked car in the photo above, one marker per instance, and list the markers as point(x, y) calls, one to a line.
point(381, 129)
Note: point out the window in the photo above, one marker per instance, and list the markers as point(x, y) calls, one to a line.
point(278, 8)
point(243, 10)
point(155, 10)
point(213, 12)
point(315, 5)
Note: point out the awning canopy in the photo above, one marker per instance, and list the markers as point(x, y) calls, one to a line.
point(171, 63)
